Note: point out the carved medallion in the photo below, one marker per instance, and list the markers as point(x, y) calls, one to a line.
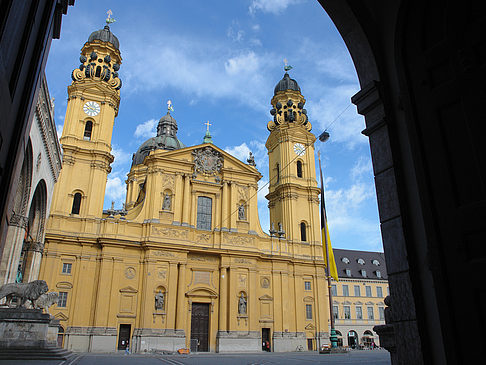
point(265, 282)
point(207, 161)
point(130, 272)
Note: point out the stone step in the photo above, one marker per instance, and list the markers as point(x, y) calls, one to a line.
point(47, 353)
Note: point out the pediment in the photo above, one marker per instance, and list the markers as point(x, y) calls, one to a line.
point(61, 317)
point(310, 327)
point(308, 299)
point(128, 289)
point(64, 285)
point(266, 297)
point(202, 292)
point(370, 303)
point(185, 155)
point(347, 302)
point(358, 303)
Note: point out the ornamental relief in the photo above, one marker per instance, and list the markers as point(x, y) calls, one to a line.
point(168, 181)
point(169, 232)
point(207, 161)
point(238, 240)
point(203, 238)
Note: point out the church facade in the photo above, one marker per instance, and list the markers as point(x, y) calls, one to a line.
point(185, 263)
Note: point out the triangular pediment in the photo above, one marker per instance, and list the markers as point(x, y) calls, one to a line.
point(185, 155)
point(266, 297)
point(128, 289)
point(61, 317)
point(310, 327)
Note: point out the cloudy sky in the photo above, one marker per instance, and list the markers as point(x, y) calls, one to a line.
point(220, 61)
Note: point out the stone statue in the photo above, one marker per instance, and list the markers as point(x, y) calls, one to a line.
point(167, 202)
point(25, 291)
point(242, 304)
point(251, 160)
point(159, 300)
point(46, 300)
point(241, 212)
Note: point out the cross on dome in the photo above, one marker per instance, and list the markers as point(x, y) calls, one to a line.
point(287, 67)
point(109, 20)
point(170, 107)
point(207, 124)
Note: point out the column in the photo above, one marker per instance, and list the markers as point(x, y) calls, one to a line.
point(232, 210)
point(187, 203)
point(253, 309)
point(177, 199)
point(181, 299)
point(286, 310)
point(225, 223)
point(172, 294)
point(223, 298)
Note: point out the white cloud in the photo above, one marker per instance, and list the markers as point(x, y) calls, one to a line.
point(234, 33)
point(59, 128)
point(146, 129)
point(271, 6)
point(115, 190)
point(362, 168)
point(246, 61)
point(241, 152)
point(263, 212)
point(255, 27)
point(121, 156)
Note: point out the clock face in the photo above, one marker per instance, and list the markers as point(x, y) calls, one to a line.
point(91, 108)
point(299, 149)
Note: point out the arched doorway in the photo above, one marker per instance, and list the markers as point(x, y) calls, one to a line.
point(339, 338)
point(60, 337)
point(353, 341)
point(368, 339)
point(18, 221)
point(30, 256)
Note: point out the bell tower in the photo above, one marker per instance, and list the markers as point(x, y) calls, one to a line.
point(93, 100)
point(293, 193)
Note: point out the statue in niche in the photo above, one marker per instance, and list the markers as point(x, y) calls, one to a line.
point(242, 304)
point(251, 160)
point(159, 300)
point(167, 202)
point(241, 212)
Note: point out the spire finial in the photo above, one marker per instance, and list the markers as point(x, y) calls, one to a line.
point(109, 20)
point(170, 107)
point(287, 67)
point(207, 136)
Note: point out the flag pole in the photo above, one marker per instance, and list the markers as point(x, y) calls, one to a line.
point(333, 336)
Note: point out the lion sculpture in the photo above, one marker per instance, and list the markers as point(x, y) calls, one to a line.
point(46, 300)
point(24, 291)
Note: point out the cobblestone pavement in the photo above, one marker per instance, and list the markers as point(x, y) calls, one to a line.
point(375, 357)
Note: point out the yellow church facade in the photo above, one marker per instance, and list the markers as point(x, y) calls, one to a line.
point(185, 263)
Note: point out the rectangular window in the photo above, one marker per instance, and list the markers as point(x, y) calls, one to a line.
point(381, 313)
point(357, 291)
point(368, 291)
point(371, 313)
point(347, 312)
point(62, 301)
point(379, 292)
point(359, 313)
point(334, 290)
point(66, 268)
point(307, 285)
point(308, 311)
point(345, 291)
point(335, 310)
point(204, 212)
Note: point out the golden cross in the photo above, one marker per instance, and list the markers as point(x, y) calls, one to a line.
point(208, 124)
point(285, 61)
point(169, 105)
point(109, 12)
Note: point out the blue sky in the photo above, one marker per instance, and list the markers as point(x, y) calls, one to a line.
point(220, 61)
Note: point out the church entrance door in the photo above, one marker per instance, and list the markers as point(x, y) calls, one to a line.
point(200, 326)
point(123, 336)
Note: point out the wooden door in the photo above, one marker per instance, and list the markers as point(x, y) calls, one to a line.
point(200, 326)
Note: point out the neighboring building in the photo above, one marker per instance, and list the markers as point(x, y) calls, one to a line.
point(358, 296)
point(185, 263)
point(40, 169)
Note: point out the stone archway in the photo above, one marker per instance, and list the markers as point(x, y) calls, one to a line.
point(33, 245)
point(18, 222)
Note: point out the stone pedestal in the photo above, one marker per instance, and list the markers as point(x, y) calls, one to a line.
point(25, 334)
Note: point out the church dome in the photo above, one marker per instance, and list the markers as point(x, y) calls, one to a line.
point(166, 139)
point(104, 35)
point(287, 84)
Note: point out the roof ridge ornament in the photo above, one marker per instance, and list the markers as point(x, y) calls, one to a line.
point(207, 137)
point(170, 106)
point(287, 67)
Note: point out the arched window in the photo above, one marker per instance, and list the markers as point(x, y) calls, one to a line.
point(87, 130)
point(299, 168)
point(303, 232)
point(76, 203)
point(278, 173)
point(98, 71)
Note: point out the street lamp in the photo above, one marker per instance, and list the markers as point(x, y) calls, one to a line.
point(324, 136)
